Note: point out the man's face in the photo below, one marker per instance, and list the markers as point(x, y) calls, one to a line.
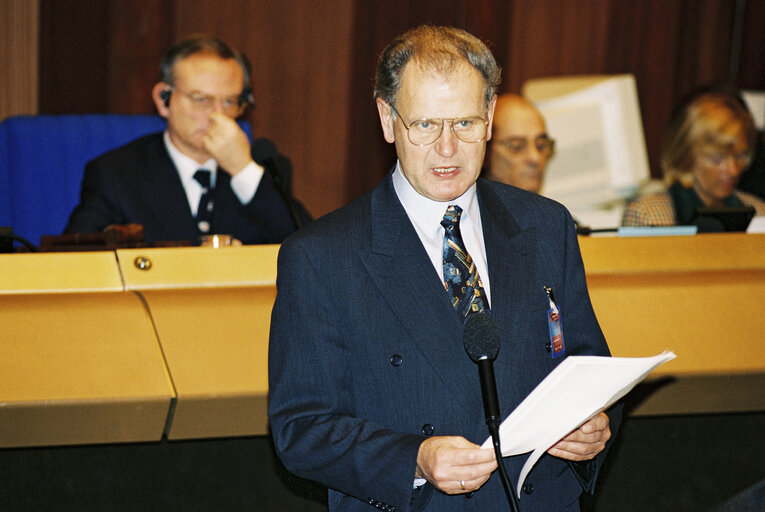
point(204, 83)
point(515, 157)
point(445, 169)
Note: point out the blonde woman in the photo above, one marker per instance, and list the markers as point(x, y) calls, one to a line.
point(709, 143)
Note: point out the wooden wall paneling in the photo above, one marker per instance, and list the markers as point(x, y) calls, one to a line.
point(704, 31)
point(300, 52)
point(74, 40)
point(643, 40)
point(18, 57)
point(376, 24)
point(141, 32)
point(549, 38)
point(490, 21)
point(751, 71)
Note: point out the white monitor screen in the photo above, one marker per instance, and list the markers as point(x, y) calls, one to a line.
point(600, 158)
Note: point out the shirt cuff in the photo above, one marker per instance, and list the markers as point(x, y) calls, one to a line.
point(245, 183)
point(419, 482)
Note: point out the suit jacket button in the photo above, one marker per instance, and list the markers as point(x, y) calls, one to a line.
point(528, 488)
point(396, 360)
point(428, 429)
point(469, 495)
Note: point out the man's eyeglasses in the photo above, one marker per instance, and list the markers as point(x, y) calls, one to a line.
point(426, 131)
point(519, 145)
point(231, 106)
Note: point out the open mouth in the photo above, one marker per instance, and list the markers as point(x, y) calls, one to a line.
point(445, 171)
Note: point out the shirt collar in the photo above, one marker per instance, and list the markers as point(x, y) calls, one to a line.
point(425, 213)
point(186, 165)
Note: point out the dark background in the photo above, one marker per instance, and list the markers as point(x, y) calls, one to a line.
point(314, 62)
point(657, 464)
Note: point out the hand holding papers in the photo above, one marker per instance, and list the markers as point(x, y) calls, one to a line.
point(578, 389)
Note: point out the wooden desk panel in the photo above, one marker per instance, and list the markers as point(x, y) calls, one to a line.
point(700, 296)
point(215, 342)
point(59, 273)
point(80, 368)
point(212, 312)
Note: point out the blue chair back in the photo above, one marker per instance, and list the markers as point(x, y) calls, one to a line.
point(42, 159)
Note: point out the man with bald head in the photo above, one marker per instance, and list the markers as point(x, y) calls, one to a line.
point(519, 151)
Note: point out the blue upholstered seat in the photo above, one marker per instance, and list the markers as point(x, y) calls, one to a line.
point(42, 159)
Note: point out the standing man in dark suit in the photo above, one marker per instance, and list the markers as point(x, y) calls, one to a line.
point(371, 391)
point(200, 176)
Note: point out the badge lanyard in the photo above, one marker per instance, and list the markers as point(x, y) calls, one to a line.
point(556, 346)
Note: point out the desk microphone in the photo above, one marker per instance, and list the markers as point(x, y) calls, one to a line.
point(480, 336)
point(264, 153)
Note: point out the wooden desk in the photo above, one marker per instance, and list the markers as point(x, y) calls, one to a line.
point(700, 296)
point(212, 312)
point(98, 350)
point(80, 360)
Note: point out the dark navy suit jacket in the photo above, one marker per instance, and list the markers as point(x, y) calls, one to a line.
point(366, 356)
point(138, 183)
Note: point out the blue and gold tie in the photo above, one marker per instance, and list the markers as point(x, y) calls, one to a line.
point(204, 212)
point(461, 277)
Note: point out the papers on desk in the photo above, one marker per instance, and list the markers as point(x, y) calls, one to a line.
point(757, 225)
point(578, 389)
point(656, 230)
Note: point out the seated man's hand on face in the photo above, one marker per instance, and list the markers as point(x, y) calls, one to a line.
point(453, 464)
point(585, 442)
point(227, 143)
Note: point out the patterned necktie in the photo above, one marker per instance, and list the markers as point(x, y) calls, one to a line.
point(204, 212)
point(461, 277)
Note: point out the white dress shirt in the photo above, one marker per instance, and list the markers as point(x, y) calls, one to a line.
point(426, 215)
point(244, 184)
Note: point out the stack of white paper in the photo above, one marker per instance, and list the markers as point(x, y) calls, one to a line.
point(578, 389)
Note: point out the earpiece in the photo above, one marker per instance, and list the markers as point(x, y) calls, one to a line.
point(246, 97)
point(165, 96)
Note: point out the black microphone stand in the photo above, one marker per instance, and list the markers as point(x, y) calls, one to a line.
point(281, 187)
point(489, 393)
point(481, 339)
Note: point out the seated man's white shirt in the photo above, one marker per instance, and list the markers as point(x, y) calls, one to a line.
point(244, 184)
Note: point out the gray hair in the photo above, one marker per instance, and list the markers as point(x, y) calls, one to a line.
point(440, 48)
point(202, 43)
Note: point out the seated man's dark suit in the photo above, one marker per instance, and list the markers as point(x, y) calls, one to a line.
point(366, 356)
point(138, 183)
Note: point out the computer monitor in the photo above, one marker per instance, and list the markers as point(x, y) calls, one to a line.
point(755, 100)
point(600, 155)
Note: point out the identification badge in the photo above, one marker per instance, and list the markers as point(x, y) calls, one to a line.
point(556, 347)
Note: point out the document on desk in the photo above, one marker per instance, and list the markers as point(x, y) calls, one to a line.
point(578, 389)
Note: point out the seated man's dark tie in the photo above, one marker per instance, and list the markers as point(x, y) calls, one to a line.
point(461, 277)
point(204, 212)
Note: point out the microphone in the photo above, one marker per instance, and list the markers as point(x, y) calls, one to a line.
point(480, 335)
point(264, 153)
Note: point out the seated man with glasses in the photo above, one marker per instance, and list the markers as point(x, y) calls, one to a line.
point(200, 176)
point(519, 151)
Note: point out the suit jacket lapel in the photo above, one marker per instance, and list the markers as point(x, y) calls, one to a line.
point(404, 274)
point(165, 195)
point(510, 260)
